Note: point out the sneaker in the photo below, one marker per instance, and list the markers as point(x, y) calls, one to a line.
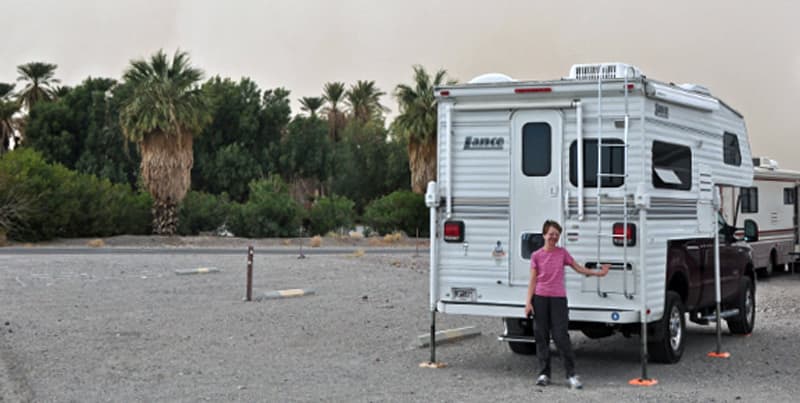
point(575, 382)
point(543, 380)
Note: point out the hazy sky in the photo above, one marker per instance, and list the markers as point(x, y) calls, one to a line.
point(746, 52)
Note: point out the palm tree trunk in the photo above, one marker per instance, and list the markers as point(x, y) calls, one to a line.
point(422, 164)
point(166, 172)
point(165, 218)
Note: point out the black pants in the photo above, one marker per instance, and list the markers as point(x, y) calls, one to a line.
point(551, 316)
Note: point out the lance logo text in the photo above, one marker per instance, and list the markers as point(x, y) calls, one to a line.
point(483, 143)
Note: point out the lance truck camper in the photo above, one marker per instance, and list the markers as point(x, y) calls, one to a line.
point(630, 166)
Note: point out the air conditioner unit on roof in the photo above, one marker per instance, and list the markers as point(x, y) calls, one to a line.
point(604, 71)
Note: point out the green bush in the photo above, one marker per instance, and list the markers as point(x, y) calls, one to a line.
point(270, 212)
point(331, 213)
point(401, 210)
point(58, 202)
point(202, 212)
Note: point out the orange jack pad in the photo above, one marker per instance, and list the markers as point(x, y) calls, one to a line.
point(719, 355)
point(643, 382)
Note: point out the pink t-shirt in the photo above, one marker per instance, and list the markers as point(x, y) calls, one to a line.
point(550, 268)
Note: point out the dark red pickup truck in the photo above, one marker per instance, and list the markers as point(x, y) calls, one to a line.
point(691, 288)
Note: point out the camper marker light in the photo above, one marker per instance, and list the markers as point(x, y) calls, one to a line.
point(444, 93)
point(454, 231)
point(620, 234)
point(532, 90)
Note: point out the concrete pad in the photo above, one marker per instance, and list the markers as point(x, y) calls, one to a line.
point(446, 336)
point(292, 293)
point(201, 270)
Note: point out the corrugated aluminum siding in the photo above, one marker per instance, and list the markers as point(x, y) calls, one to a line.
point(480, 192)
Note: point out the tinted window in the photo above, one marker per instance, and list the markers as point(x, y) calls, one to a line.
point(749, 200)
point(672, 166)
point(536, 141)
point(613, 160)
point(788, 195)
point(730, 149)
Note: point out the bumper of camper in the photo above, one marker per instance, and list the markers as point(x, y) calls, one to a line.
point(576, 314)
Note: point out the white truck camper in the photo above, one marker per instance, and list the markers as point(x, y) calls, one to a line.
point(512, 154)
point(771, 206)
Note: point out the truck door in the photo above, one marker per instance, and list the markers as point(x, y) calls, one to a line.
point(536, 193)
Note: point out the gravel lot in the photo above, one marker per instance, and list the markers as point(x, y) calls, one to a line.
point(126, 328)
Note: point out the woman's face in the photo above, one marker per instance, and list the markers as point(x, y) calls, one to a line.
point(551, 237)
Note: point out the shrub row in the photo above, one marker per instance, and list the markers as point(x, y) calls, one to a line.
point(271, 212)
point(43, 201)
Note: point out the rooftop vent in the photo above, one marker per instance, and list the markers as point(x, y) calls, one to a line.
point(491, 78)
point(603, 70)
point(764, 162)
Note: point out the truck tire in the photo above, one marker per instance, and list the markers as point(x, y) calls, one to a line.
point(667, 346)
point(520, 327)
point(745, 320)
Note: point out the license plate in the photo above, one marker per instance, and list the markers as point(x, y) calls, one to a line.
point(464, 294)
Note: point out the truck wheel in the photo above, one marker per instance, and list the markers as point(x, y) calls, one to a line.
point(520, 327)
point(745, 320)
point(669, 332)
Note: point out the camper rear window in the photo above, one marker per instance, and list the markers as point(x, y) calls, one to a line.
point(730, 149)
point(672, 166)
point(613, 160)
point(536, 146)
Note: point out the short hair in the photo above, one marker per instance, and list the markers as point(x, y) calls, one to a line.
point(551, 223)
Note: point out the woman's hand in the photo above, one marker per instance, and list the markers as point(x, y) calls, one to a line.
point(528, 310)
point(604, 270)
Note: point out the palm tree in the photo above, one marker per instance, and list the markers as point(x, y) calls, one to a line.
point(364, 100)
point(311, 104)
point(165, 110)
point(39, 82)
point(417, 124)
point(8, 107)
point(333, 93)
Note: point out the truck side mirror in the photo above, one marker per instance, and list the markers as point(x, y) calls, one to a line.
point(750, 231)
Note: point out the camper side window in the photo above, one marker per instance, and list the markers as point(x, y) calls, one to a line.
point(613, 160)
point(730, 149)
point(788, 196)
point(536, 146)
point(672, 166)
point(749, 200)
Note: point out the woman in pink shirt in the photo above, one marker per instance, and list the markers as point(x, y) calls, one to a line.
point(547, 302)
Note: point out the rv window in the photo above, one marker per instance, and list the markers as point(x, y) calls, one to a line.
point(788, 195)
point(672, 166)
point(613, 160)
point(749, 200)
point(536, 145)
point(730, 149)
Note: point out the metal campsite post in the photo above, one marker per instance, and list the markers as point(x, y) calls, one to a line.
point(416, 244)
point(718, 353)
point(250, 253)
point(716, 283)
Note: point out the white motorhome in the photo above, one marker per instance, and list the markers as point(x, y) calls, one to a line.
point(771, 205)
point(512, 154)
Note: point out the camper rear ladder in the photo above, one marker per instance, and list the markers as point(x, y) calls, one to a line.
point(599, 183)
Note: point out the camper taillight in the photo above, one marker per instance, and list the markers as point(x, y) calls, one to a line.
point(454, 231)
point(620, 233)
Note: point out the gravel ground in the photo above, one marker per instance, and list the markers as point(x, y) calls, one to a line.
point(126, 328)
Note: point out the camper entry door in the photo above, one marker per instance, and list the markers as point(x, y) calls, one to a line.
point(535, 184)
